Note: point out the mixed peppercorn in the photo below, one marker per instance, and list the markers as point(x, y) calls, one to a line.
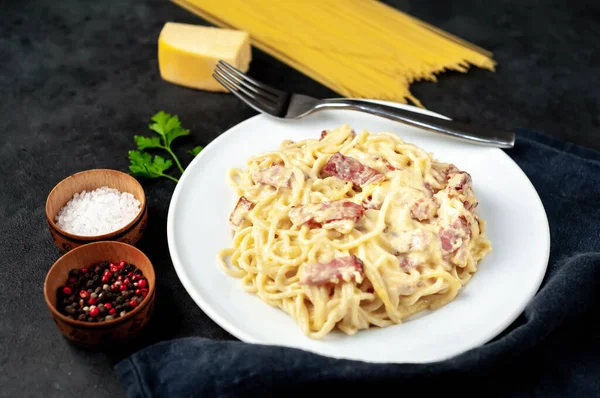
point(102, 292)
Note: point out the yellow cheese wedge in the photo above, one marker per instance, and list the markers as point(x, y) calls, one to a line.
point(188, 54)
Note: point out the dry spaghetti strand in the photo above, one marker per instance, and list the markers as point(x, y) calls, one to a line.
point(364, 49)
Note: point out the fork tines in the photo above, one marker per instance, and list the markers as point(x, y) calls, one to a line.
point(258, 95)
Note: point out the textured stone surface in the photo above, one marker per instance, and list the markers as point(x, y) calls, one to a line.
point(79, 79)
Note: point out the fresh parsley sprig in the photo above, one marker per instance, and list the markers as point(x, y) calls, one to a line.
point(168, 127)
point(144, 165)
point(196, 150)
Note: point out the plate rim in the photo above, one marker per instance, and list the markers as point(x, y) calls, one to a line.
point(246, 337)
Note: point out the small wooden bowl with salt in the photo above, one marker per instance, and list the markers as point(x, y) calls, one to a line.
point(96, 205)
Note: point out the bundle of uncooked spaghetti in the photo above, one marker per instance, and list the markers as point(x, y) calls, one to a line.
point(357, 48)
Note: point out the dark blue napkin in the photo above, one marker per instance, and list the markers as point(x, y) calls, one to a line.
point(553, 349)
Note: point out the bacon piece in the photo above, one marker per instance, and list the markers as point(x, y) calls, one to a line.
point(460, 182)
point(429, 188)
point(369, 203)
point(445, 171)
point(441, 174)
point(276, 176)
point(424, 209)
point(453, 236)
point(239, 213)
point(341, 269)
point(323, 135)
point(460, 185)
point(317, 214)
point(470, 204)
point(406, 263)
point(454, 241)
point(449, 239)
point(349, 169)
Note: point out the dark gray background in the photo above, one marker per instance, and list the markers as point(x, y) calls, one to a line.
point(79, 79)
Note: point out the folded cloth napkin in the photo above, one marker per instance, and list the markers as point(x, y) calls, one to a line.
point(553, 349)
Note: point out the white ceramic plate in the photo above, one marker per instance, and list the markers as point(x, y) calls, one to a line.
point(507, 278)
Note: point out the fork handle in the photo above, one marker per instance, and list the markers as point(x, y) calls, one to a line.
point(462, 131)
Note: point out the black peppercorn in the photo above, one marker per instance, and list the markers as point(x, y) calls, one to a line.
point(101, 293)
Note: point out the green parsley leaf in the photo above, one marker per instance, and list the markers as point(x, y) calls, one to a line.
point(172, 122)
point(168, 127)
point(159, 164)
point(174, 133)
point(196, 150)
point(159, 124)
point(147, 142)
point(142, 164)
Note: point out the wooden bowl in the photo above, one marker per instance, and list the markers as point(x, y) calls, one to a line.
point(107, 333)
point(88, 181)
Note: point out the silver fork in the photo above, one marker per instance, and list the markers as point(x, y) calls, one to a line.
point(281, 104)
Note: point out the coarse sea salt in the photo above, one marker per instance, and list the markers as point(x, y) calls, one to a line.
point(97, 212)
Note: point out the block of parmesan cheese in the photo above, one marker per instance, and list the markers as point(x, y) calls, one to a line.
point(188, 54)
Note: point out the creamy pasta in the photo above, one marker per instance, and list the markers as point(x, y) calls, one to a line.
point(351, 231)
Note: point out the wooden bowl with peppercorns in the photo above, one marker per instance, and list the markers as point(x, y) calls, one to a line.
point(101, 293)
point(96, 205)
